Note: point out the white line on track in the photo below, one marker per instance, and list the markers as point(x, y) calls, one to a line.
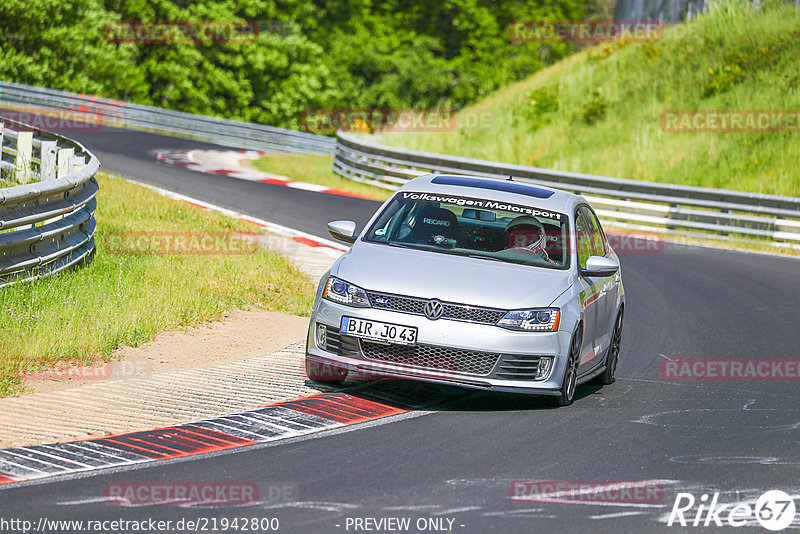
point(327, 246)
point(618, 514)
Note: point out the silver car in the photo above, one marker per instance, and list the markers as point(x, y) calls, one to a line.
point(486, 284)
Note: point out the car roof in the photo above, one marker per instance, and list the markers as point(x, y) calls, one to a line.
point(500, 190)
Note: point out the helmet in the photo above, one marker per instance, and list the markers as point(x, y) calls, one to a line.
point(524, 231)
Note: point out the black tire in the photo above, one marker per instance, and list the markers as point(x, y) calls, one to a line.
point(570, 382)
point(325, 373)
point(612, 355)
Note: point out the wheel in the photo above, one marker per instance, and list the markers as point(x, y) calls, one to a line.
point(324, 373)
point(612, 358)
point(567, 391)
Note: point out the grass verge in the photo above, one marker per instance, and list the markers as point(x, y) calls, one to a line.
point(82, 315)
point(317, 170)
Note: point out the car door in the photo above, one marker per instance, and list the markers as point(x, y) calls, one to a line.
point(589, 295)
point(609, 285)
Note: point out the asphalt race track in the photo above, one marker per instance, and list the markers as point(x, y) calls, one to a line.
point(452, 463)
point(132, 154)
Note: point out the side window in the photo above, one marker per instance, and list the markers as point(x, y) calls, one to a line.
point(599, 244)
point(584, 236)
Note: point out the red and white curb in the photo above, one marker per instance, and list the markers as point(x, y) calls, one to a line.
point(331, 248)
point(279, 421)
point(228, 163)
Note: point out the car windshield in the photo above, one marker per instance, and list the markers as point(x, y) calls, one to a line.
point(475, 227)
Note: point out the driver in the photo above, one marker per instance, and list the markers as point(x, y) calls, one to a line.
point(526, 232)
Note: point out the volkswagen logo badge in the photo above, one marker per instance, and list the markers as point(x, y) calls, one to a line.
point(433, 309)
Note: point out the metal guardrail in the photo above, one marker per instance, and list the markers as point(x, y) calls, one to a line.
point(663, 11)
point(668, 11)
point(236, 134)
point(46, 224)
point(629, 204)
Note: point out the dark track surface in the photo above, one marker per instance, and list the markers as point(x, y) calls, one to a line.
point(458, 460)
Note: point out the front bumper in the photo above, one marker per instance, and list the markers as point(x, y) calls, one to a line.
point(494, 353)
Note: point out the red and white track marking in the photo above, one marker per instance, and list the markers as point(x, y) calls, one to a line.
point(331, 248)
point(278, 421)
point(229, 163)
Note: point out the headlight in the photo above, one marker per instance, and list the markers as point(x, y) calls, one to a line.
point(534, 320)
point(345, 293)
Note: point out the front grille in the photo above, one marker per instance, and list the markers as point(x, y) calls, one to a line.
point(452, 311)
point(432, 357)
point(472, 314)
point(518, 367)
point(471, 362)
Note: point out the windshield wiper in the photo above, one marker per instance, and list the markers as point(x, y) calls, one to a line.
point(486, 257)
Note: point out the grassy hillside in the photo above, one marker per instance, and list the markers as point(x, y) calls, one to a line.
point(598, 111)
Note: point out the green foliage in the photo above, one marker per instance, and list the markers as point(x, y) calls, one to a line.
point(722, 78)
point(542, 103)
point(61, 43)
point(595, 108)
point(308, 54)
point(651, 50)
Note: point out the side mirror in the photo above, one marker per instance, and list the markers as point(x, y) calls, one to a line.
point(343, 231)
point(600, 266)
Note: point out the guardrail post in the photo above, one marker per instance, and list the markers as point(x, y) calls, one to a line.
point(76, 163)
point(64, 157)
point(673, 209)
point(48, 160)
point(24, 156)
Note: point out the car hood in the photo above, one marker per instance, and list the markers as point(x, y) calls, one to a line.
point(450, 278)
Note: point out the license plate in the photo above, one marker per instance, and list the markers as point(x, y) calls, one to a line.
point(378, 331)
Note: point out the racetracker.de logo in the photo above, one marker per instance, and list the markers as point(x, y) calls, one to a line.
point(635, 242)
point(73, 370)
point(181, 31)
point(83, 114)
point(392, 120)
point(434, 367)
point(204, 493)
point(587, 491)
point(582, 31)
point(730, 369)
point(730, 121)
point(180, 243)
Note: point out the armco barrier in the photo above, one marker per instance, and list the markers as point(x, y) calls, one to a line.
point(47, 222)
point(630, 204)
point(236, 134)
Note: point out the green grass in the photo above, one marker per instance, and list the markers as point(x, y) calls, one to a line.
point(598, 111)
point(82, 314)
point(317, 170)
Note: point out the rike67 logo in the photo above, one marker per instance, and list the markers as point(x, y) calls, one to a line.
point(774, 510)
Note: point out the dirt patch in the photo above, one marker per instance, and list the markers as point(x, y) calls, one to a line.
point(237, 336)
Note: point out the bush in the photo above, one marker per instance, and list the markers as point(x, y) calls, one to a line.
point(541, 104)
point(595, 108)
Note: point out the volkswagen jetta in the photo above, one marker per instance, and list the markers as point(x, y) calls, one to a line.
point(486, 284)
